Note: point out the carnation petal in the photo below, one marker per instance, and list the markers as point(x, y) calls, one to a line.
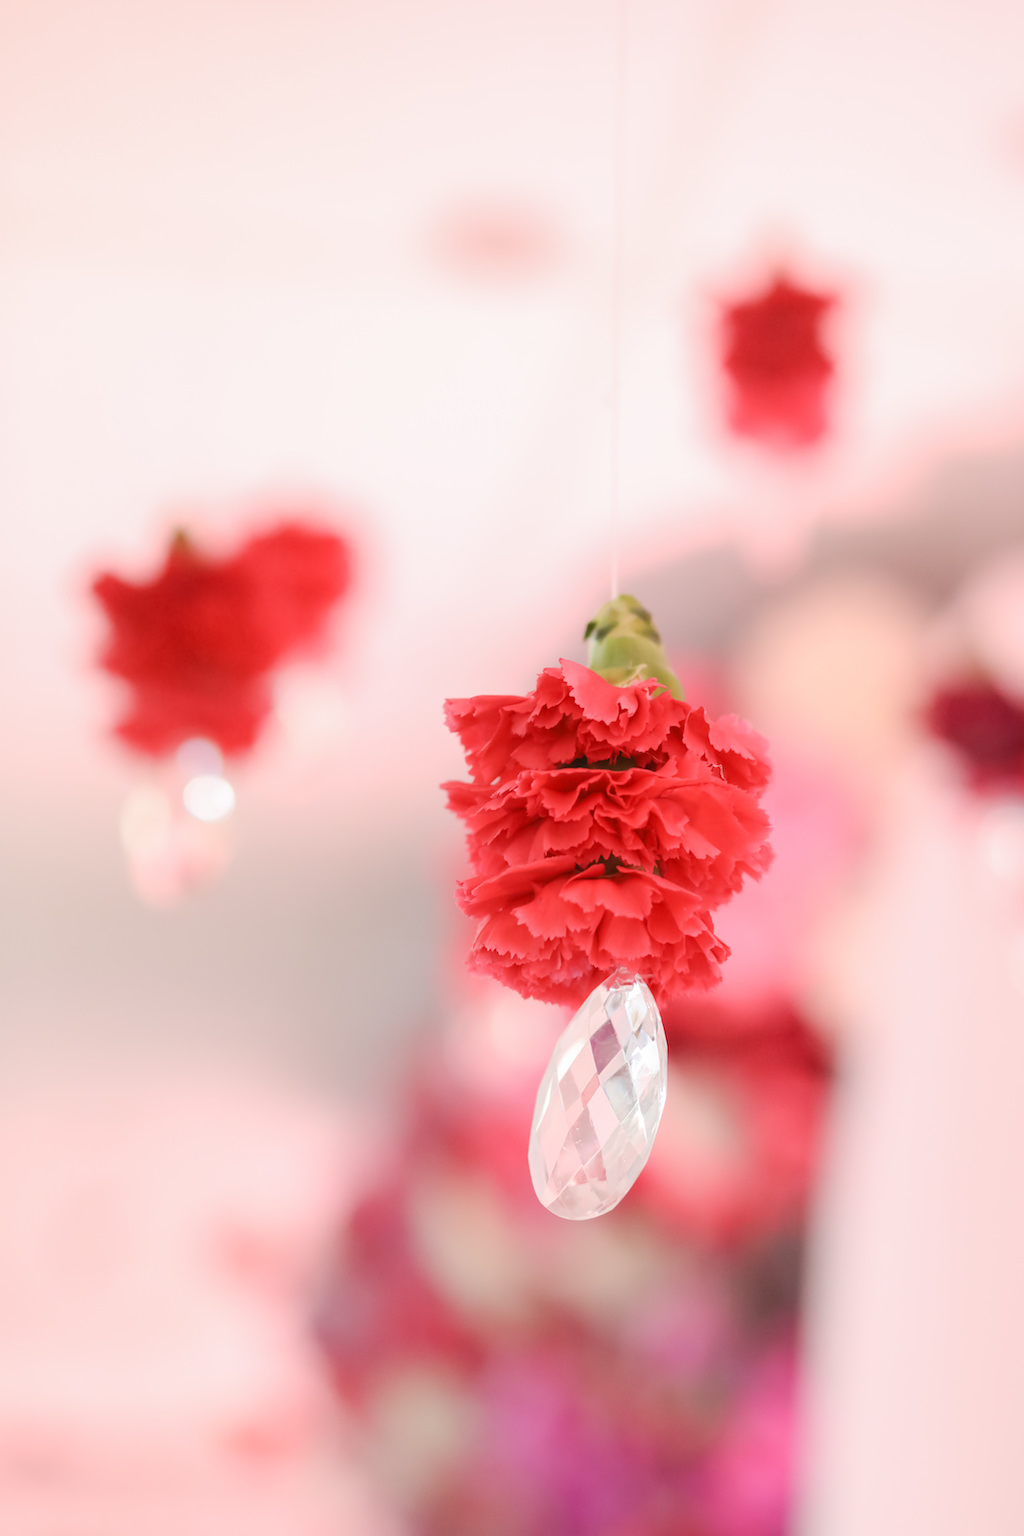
point(731, 734)
point(624, 938)
point(547, 915)
point(598, 699)
point(629, 896)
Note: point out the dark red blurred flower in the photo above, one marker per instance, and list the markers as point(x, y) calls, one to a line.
point(604, 825)
point(987, 730)
point(778, 370)
point(198, 642)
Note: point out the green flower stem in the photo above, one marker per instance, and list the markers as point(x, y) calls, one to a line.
point(626, 646)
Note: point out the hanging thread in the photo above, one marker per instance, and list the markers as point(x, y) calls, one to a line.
point(618, 225)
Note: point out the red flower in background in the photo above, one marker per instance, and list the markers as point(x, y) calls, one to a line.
point(987, 730)
point(299, 573)
point(777, 367)
point(197, 644)
point(737, 1151)
point(383, 1308)
point(604, 824)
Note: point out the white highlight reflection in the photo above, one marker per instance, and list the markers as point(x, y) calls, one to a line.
point(208, 797)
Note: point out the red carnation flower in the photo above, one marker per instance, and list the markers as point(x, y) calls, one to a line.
point(778, 370)
point(987, 730)
point(198, 642)
point(605, 823)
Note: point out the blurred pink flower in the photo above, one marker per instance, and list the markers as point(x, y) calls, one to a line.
point(748, 1481)
point(818, 833)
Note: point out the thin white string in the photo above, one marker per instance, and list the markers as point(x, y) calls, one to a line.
point(618, 232)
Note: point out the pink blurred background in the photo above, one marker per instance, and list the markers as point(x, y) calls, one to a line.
point(359, 255)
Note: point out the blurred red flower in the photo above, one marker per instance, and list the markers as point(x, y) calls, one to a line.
point(381, 1307)
point(198, 642)
point(604, 825)
point(986, 729)
point(776, 364)
point(299, 574)
point(738, 1147)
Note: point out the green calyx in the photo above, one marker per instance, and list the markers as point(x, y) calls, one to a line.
point(625, 646)
point(182, 543)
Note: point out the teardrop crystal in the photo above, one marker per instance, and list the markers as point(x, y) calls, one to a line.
point(599, 1103)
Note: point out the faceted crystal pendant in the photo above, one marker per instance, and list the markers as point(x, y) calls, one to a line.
point(600, 1101)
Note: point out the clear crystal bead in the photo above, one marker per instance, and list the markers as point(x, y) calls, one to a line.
point(600, 1101)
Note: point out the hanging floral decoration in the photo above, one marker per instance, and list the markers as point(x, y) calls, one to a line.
point(196, 647)
point(985, 727)
point(777, 367)
point(198, 643)
point(606, 820)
